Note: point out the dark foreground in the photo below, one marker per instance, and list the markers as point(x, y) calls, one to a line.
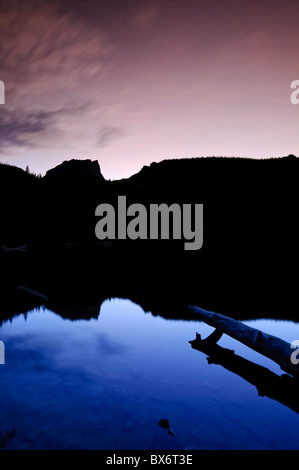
point(85, 372)
point(245, 268)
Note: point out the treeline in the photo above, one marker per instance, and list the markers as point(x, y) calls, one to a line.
point(250, 247)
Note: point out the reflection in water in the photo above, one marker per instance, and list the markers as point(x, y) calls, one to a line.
point(106, 384)
point(284, 389)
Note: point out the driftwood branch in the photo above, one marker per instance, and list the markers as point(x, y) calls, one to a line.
point(284, 389)
point(32, 293)
point(274, 348)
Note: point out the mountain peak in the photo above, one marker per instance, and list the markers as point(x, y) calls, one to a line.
point(77, 169)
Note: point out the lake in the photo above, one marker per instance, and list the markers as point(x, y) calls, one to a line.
point(105, 383)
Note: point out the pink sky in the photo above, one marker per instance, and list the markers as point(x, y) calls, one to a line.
point(131, 82)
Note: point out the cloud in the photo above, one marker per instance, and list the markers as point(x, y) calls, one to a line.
point(43, 50)
point(109, 133)
point(30, 128)
point(20, 128)
point(145, 17)
point(53, 65)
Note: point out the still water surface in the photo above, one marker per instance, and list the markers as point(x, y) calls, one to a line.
point(105, 384)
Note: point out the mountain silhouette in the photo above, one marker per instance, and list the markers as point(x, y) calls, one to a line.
point(76, 170)
point(246, 264)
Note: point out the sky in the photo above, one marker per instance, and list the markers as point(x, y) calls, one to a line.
point(129, 82)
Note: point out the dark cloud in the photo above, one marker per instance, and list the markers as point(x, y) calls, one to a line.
point(18, 128)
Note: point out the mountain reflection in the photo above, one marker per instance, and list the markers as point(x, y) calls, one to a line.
point(105, 382)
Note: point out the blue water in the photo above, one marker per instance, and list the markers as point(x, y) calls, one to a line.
point(105, 384)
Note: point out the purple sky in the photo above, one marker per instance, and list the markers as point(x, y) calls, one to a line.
point(128, 82)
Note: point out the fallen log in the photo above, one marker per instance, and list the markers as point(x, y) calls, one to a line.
point(283, 389)
point(32, 294)
point(274, 348)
